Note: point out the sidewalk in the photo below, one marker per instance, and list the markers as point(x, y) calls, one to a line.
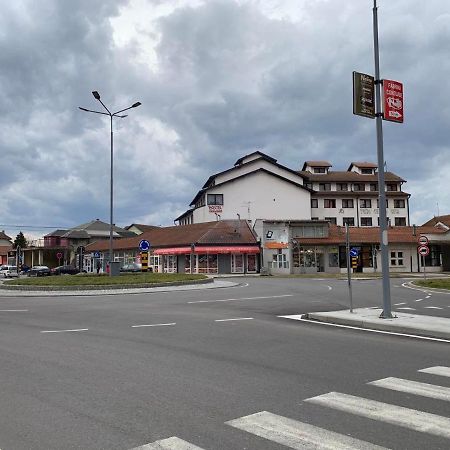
point(415, 324)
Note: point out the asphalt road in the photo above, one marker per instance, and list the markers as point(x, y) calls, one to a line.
point(137, 369)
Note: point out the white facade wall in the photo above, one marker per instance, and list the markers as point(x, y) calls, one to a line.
point(258, 195)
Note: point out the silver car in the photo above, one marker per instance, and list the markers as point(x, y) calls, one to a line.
point(7, 271)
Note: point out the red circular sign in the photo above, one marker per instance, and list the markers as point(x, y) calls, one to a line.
point(59, 255)
point(423, 240)
point(423, 250)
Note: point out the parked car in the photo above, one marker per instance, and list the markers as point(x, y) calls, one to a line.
point(65, 270)
point(133, 267)
point(39, 271)
point(8, 271)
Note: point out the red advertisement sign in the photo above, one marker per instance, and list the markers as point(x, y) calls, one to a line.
point(393, 101)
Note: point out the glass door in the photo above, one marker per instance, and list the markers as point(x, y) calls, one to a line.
point(251, 264)
point(237, 263)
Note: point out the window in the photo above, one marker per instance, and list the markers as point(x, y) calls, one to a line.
point(279, 260)
point(342, 186)
point(387, 203)
point(391, 187)
point(215, 199)
point(374, 187)
point(314, 203)
point(329, 203)
point(200, 202)
point(314, 218)
point(308, 185)
point(399, 203)
point(324, 186)
point(400, 221)
point(358, 187)
point(367, 171)
point(433, 259)
point(320, 170)
point(366, 221)
point(365, 203)
point(349, 220)
point(331, 220)
point(396, 258)
point(347, 203)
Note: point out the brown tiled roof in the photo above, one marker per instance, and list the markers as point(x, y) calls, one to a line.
point(363, 165)
point(4, 249)
point(369, 235)
point(223, 232)
point(339, 176)
point(4, 236)
point(142, 226)
point(436, 219)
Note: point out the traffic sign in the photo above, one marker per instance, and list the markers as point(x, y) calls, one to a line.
point(144, 261)
point(144, 245)
point(354, 262)
point(423, 250)
point(354, 252)
point(393, 101)
point(363, 95)
point(96, 254)
point(423, 240)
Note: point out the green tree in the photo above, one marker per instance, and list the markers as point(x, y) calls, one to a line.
point(20, 241)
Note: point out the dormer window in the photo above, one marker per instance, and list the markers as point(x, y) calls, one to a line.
point(367, 171)
point(320, 170)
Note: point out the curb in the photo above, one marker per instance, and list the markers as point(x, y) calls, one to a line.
point(385, 325)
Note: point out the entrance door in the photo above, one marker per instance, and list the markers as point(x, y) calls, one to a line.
point(251, 264)
point(237, 263)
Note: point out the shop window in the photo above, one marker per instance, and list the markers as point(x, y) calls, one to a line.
point(433, 259)
point(365, 203)
point(396, 259)
point(215, 199)
point(333, 259)
point(400, 221)
point(279, 260)
point(347, 203)
point(329, 203)
point(366, 221)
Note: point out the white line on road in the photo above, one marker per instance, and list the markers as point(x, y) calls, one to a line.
point(393, 333)
point(414, 387)
point(428, 296)
point(432, 307)
point(406, 308)
point(154, 325)
point(419, 299)
point(297, 435)
point(329, 287)
point(237, 318)
point(13, 310)
point(437, 370)
point(396, 415)
point(239, 299)
point(172, 443)
point(398, 304)
point(65, 331)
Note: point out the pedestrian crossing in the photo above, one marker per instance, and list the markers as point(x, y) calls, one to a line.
point(295, 434)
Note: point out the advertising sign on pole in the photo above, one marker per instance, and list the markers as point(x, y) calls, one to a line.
point(363, 95)
point(393, 101)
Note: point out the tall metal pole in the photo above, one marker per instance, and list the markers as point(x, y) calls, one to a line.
point(349, 277)
point(387, 313)
point(111, 202)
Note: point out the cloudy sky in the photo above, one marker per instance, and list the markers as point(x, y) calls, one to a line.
point(217, 80)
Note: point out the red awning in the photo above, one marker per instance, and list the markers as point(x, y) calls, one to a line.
point(172, 251)
point(227, 249)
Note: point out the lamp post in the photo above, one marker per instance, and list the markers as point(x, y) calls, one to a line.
point(111, 115)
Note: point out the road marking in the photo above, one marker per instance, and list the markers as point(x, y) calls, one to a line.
point(393, 333)
point(239, 299)
point(13, 310)
point(419, 299)
point(432, 307)
point(414, 387)
point(329, 287)
point(398, 304)
point(437, 370)
point(65, 331)
point(297, 435)
point(396, 415)
point(428, 296)
point(407, 308)
point(237, 318)
point(172, 443)
point(154, 325)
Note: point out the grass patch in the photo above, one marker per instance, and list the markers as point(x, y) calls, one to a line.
point(439, 283)
point(105, 280)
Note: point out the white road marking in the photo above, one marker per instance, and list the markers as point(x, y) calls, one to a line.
point(172, 443)
point(428, 296)
point(239, 299)
point(154, 325)
point(329, 287)
point(407, 308)
point(437, 370)
point(396, 415)
point(393, 333)
point(297, 435)
point(419, 299)
point(13, 310)
point(65, 331)
point(237, 318)
point(414, 387)
point(432, 307)
point(398, 304)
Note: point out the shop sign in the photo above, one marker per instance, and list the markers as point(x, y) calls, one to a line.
point(363, 95)
point(215, 209)
point(393, 101)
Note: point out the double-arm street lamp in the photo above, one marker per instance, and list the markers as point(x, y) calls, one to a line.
point(111, 115)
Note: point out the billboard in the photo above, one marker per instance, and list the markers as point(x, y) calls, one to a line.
point(363, 95)
point(393, 101)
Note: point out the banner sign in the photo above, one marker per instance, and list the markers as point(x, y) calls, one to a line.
point(393, 101)
point(363, 95)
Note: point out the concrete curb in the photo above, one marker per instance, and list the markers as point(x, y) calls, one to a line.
point(427, 326)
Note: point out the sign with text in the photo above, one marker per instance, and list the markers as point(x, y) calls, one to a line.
point(215, 209)
point(363, 95)
point(144, 261)
point(393, 101)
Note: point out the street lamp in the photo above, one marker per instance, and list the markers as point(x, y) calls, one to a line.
point(111, 115)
